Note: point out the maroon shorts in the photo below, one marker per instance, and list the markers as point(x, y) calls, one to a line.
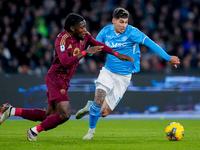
point(57, 90)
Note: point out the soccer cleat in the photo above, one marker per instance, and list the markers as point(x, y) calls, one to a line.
point(5, 112)
point(31, 136)
point(89, 135)
point(82, 112)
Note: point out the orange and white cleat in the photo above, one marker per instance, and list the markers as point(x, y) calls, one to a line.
point(5, 112)
point(31, 136)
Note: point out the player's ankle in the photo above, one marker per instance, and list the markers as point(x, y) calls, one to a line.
point(16, 111)
point(12, 111)
point(37, 129)
point(91, 130)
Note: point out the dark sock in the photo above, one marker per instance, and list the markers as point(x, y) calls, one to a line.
point(51, 122)
point(34, 114)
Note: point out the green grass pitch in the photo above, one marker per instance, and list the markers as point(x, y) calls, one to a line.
point(110, 135)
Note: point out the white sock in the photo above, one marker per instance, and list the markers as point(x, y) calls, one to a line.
point(92, 130)
point(34, 130)
point(12, 113)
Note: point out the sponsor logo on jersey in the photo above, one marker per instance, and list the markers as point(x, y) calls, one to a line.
point(115, 45)
point(62, 48)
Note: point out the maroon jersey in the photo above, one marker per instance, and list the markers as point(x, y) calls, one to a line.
point(66, 62)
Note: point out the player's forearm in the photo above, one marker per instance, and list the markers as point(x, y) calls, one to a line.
point(105, 47)
point(149, 43)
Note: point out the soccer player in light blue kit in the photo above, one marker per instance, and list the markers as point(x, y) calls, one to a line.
point(115, 76)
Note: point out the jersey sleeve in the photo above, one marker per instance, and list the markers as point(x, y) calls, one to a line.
point(92, 41)
point(63, 56)
point(152, 45)
point(137, 36)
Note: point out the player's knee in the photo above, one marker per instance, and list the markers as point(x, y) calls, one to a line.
point(104, 113)
point(65, 116)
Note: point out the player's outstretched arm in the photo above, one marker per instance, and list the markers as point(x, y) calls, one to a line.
point(174, 61)
point(107, 49)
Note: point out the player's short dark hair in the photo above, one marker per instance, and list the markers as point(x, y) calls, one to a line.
point(71, 20)
point(120, 13)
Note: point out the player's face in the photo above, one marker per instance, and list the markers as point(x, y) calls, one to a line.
point(120, 24)
point(80, 30)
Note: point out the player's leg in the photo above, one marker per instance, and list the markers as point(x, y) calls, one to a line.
point(115, 96)
point(64, 113)
point(104, 85)
point(30, 114)
point(64, 110)
point(52, 121)
point(58, 113)
point(111, 100)
point(100, 95)
point(105, 109)
point(104, 79)
point(32, 132)
point(51, 109)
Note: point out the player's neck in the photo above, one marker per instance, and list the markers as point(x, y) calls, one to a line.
point(76, 36)
point(117, 33)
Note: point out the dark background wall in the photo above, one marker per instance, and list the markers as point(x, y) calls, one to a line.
point(30, 92)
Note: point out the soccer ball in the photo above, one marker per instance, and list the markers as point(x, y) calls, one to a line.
point(174, 131)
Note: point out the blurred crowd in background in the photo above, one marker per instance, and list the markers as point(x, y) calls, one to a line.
point(28, 30)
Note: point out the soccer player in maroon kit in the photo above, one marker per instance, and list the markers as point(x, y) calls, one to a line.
point(69, 49)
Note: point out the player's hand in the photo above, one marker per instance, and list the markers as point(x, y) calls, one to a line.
point(93, 49)
point(124, 57)
point(175, 61)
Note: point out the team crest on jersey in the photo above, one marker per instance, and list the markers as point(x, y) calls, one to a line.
point(62, 48)
point(108, 36)
point(63, 91)
point(124, 38)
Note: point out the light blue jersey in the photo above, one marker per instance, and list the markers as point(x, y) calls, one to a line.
point(125, 43)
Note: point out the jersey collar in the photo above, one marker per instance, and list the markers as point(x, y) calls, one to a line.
point(71, 37)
